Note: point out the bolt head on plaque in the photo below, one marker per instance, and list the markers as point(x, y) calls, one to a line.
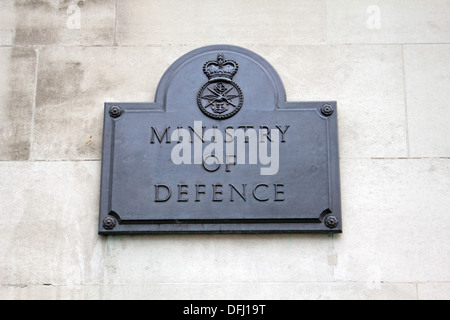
point(220, 98)
point(331, 222)
point(115, 112)
point(109, 223)
point(327, 110)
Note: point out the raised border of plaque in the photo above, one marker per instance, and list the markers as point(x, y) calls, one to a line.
point(220, 88)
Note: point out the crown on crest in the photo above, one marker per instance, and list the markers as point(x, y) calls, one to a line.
point(220, 68)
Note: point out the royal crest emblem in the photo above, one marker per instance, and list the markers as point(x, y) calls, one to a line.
point(220, 98)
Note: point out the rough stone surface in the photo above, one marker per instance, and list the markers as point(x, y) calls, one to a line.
point(390, 77)
point(220, 291)
point(199, 22)
point(395, 227)
point(17, 87)
point(367, 82)
point(7, 23)
point(434, 291)
point(365, 128)
point(48, 222)
point(57, 22)
point(386, 21)
point(75, 82)
point(427, 91)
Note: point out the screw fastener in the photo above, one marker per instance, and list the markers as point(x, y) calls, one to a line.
point(115, 112)
point(331, 222)
point(327, 110)
point(109, 223)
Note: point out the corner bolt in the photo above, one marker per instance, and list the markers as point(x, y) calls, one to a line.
point(115, 112)
point(327, 110)
point(109, 223)
point(331, 222)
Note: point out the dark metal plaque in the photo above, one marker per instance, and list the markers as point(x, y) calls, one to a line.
point(220, 151)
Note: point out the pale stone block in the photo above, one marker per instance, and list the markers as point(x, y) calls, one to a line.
point(215, 259)
point(79, 80)
point(427, 69)
point(396, 226)
point(367, 83)
point(48, 222)
point(57, 22)
point(434, 291)
point(215, 291)
point(387, 21)
point(17, 87)
point(50, 292)
point(203, 22)
point(7, 23)
point(73, 85)
point(264, 291)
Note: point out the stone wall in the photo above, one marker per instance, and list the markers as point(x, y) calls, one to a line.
point(387, 63)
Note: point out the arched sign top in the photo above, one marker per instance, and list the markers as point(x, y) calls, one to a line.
point(229, 73)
